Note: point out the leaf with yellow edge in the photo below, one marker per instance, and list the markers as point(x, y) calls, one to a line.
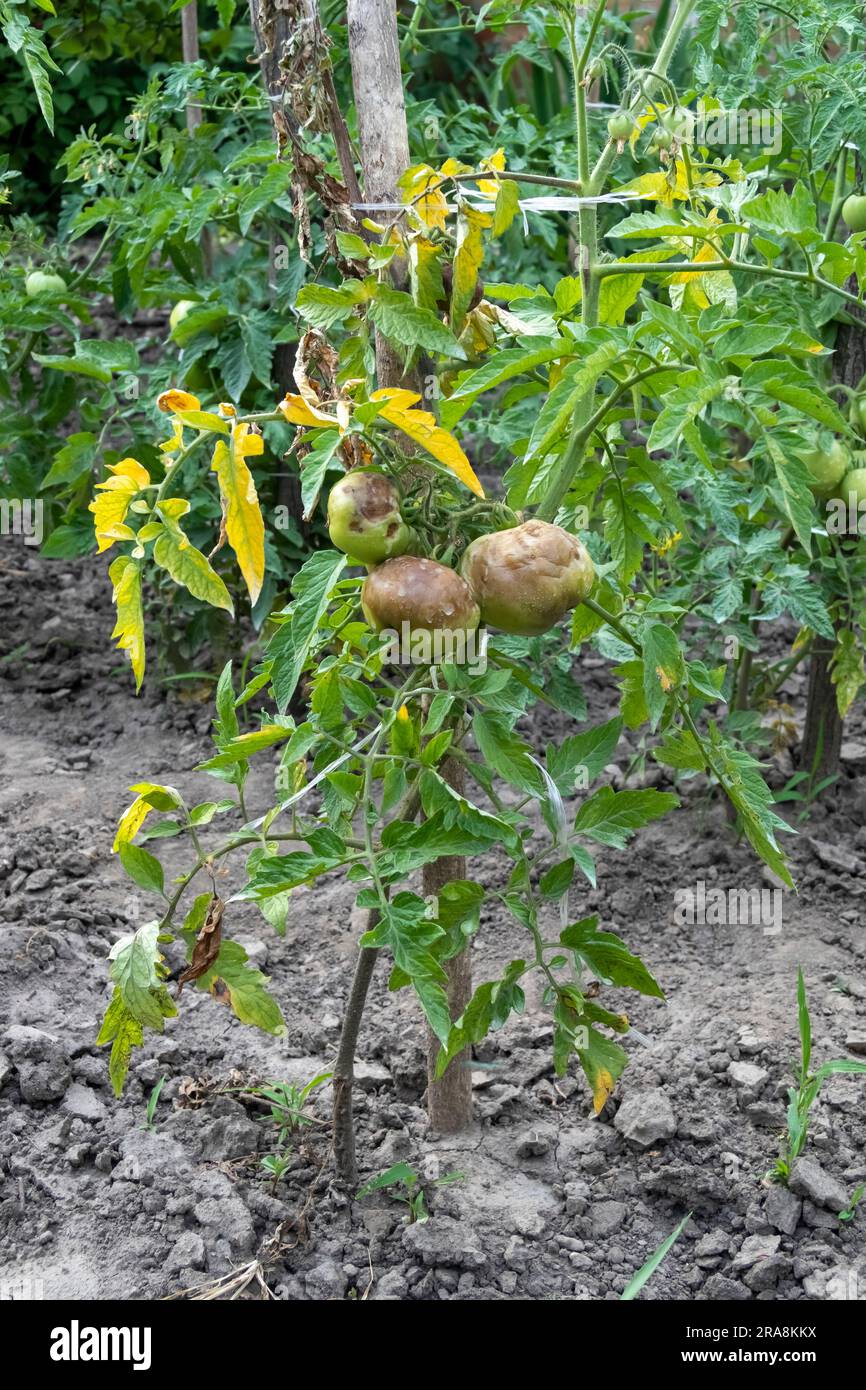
point(125, 576)
point(176, 554)
point(204, 420)
point(422, 427)
point(603, 1062)
point(245, 527)
point(152, 796)
point(174, 400)
point(668, 186)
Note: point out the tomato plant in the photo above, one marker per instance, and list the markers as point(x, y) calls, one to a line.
point(656, 331)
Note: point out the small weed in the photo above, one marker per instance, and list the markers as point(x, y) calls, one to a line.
point(411, 1193)
point(153, 1102)
point(802, 1097)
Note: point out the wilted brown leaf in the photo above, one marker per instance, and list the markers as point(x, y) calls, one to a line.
point(207, 944)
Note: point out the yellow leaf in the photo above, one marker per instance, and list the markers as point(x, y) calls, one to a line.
point(128, 468)
point(125, 576)
point(602, 1089)
point(116, 493)
point(136, 813)
point(245, 527)
point(422, 188)
point(707, 252)
point(131, 822)
point(300, 412)
point(423, 428)
point(490, 187)
point(467, 262)
point(174, 400)
point(175, 441)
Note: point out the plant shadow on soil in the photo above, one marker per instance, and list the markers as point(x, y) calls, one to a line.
point(554, 1203)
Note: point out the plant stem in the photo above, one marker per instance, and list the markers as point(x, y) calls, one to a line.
point(344, 1068)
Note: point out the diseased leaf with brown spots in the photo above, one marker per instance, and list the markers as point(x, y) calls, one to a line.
point(207, 945)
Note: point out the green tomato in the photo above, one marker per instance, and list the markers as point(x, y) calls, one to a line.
point(180, 311)
point(364, 518)
point(678, 124)
point(662, 139)
point(528, 577)
point(860, 406)
point(855, 482)
point(620, 126)
point(827, 467)
point(41, 284)
point(854, 212)
point(429, 597)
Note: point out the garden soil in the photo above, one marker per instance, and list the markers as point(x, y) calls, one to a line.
point(553, 1202)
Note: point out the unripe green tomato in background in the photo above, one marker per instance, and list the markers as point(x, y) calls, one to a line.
point(827, 467)
point(180, 311)
point(854, 482)
point(42, 284)
point(854, 212)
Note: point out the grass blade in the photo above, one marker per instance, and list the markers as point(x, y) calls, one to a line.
point(648, 1270)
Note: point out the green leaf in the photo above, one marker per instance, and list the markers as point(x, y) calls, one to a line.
point(244, 989)
point(586, 754)
point(94, 358)
point(664, 667)
point(314, 468)
point(608, 957)
point(142, 867)
point(290, 646)
point(323, 306)
point(740, 777)
point(399, 1175)
point(682, 407)
point(612, 817)
point(578, 379)
point(405, 927)
point(847, 670)
point(122, 1029)
point(500, 367)
point(402, 321)
point(277, 873)
point(133, 968)
point(507, 754)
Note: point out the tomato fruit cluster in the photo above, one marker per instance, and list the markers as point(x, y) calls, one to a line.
point(522, 579)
